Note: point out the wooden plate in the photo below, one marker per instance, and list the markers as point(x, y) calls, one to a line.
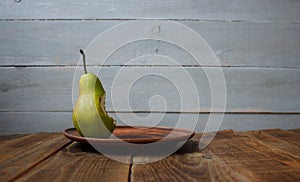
point(137, 135)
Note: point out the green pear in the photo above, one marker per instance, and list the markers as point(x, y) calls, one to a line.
point(89, 116)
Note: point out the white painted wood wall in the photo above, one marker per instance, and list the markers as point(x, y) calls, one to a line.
point(257, 43)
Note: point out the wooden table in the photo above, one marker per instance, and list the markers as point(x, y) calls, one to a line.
point(266, 155)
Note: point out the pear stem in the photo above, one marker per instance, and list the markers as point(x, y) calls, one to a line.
point(83, 58)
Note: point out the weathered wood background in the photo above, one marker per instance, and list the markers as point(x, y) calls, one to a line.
point(257, 43)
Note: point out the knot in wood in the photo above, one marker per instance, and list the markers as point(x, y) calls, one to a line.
point(207, 156)
point(156, 29)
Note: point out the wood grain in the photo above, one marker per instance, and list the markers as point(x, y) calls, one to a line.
point(187, 164)
point(259, 39)
point(236, 43)
point(265, 155)
point(79, 163)
point(295, 130)
point(248, 89)
point(6, 138)
point(254, 160)
point(270, 10)
point(288, 136)
point(232, 156)
point(22, 122)
point(188, 167)
point(20, 154)
point(275, 143)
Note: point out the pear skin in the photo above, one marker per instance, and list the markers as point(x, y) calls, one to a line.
point(89, 115)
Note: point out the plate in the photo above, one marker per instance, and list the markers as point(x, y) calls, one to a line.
point(136, 135)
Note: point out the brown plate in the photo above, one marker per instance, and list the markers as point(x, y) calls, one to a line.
point(137, 134)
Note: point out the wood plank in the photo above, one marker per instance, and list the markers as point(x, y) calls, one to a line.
point(235, 44)
point(295, 130)
point(49, 49)
point(275, 143)
point(188, 167)
point(187, 164)
point(255, 10)
point(34, 122)
point(287, 136)
point(20, 154)
point(252, 44)
point(248, 89)
point(254, 160)
point(5, 138)
point(79, 163)
point(232, 156)
point(22, 122)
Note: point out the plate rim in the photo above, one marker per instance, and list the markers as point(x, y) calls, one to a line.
point(188, 135)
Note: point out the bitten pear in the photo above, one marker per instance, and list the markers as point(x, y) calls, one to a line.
point(89, 116)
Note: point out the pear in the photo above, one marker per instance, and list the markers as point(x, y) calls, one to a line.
point(89, 116)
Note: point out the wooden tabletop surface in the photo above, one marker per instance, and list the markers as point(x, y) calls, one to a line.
point(265, 155)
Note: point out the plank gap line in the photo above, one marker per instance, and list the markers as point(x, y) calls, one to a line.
point(163, 19)
point(40, 161)
point(167, 112)
point(142, 66)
